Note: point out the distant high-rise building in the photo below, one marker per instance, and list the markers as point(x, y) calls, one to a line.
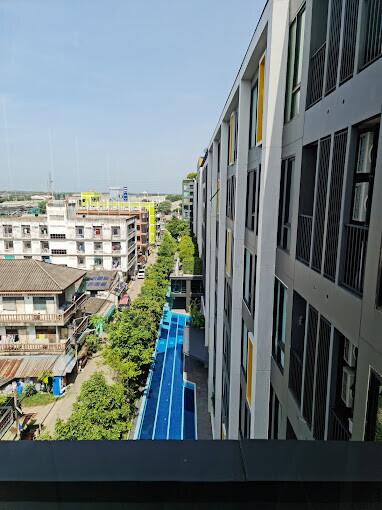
point(188, 200)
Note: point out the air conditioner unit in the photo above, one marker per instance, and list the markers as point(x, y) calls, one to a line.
point(361, 193)
point(348, 377)
point(350, 353)
point(365, 150)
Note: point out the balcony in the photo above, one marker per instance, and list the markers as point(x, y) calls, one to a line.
point(59, 319)
point(355, 256)
point(304, 237)
point(316, 76)
point(338, 427)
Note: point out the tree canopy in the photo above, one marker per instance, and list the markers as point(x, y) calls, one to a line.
point(165, 207)
point(177, 227)
point(191, 175)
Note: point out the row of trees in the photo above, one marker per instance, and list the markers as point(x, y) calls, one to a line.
point(102, 410)
point(191, 264)
point(178, 227)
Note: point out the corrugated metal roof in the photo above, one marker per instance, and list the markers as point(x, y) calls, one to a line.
point(21, 367)
point(29, 275)
point(64, 364)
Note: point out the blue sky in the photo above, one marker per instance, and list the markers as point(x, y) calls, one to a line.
point(114, 92)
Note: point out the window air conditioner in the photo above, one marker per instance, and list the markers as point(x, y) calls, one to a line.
point(348, 377)
point(365, 150)
point(349, 353)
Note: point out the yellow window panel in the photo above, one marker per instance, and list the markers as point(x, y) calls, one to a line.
point(260, 101)
point(228, 252)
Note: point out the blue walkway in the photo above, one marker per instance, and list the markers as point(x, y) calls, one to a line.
point(163, 415)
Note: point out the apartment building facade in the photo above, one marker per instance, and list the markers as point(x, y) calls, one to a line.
point(67, 237)
point(188, 200)
point(288, 206)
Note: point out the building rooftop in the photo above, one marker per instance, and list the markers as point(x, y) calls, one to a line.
point(26, 276)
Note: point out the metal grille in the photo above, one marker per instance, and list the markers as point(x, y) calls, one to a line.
point(356, 245)
point(334, 207)
point(349, 39)
point(320, 205)
point(295, 375)
point(321, 379)
point(309, 364)
point(338, 430)
point(373, 34)
point(333, 45)
point(316, 75)
point(304, 237)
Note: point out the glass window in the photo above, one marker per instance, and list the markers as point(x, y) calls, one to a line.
point(39, 303)
point(9, 304)
point(248, 280)
point(244, 346)
point(228, 252)
point(295, 54)
point(253, 118)
point(232, 140)
point(260, 102)
point(279, 322)
point(285, 204)
point(249, 369)
point(373, 430)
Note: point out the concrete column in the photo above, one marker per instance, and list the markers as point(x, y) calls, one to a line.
point(216, 422)
point(238, 253)
point(273, 121)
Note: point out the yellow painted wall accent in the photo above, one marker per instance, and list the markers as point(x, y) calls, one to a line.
point(260, 101)
point(228, 252)
point(249, 371)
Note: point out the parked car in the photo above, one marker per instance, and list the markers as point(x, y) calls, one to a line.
point(141, 274)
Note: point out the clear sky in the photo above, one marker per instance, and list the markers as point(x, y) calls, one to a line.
point(114, 92)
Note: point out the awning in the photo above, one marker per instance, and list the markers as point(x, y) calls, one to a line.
point(64, 365)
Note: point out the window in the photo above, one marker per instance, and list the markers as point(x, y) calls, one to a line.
point(115, 231)
point(57, 236)
point(26, 230)
point(98, 261)
point(232, 138)
point(80, 261)
point(249, 369)
point(260, 102)
point(116, 246)
point(248, 287)
point(97, 231)
point(40, 303)
point(244, 346)
point(285, 206)
point(27, 245)
point(231, 195)
point(9, 304)
point(43, 230)
point(258, 198)
point(373, 430)
point(97, 247)
point(7, 229)
point(228, 249)
point(81, 247)
point(79, 231)
point(279, 322)
point(8, 245)
point(44, 246)
point(58, 252)
point(253, 117)
point(251, 200)
point(116, 262)
point(295, 53)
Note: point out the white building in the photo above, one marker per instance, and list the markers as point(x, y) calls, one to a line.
point(64, 237)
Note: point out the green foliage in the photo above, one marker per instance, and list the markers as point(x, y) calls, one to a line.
point(197, 318)
point(42, 206)
point(44, 375)
point(186, 250)
point(191, 175)
point(192, 265)
point(29, 390)
point(164, 207)
point(173, 198)
point(178, 227)
point(92, 341)
point(41, 398)
point(100, 412)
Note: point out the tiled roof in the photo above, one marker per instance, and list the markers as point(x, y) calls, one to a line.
point(29, 275)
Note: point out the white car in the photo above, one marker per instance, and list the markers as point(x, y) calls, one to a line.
point(140, 274)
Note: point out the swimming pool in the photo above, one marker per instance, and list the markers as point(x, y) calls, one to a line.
point(168, 409)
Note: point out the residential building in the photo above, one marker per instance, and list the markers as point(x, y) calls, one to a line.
point(66, 236)
point(288, 222)
point(39, 326)
point(188, 200)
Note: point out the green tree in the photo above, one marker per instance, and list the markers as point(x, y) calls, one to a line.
point(100, 412)
point(178, 227)
point(164, 207)
point(191, 175)
point(42, 206)
point(173, 198)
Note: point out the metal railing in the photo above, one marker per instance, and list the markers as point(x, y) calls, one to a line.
point(338, 431)
point(42, 317)
point(6, 419)
point(373, 32)
point(295, 375)
point(304, 238)
point(316, 75)
point(355, 255)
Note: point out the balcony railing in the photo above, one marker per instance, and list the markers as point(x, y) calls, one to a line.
point(20, 347)
point(295, 375)
point(53, 318)
point(338, 430)
point(373, 32)
point(355, 255)
point(316, 75)
point(304, 237)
